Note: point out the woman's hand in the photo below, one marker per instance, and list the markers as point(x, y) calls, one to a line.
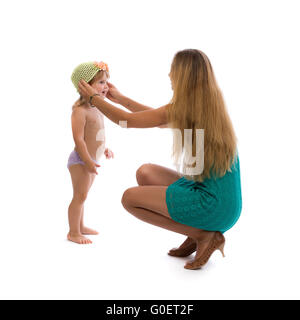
point(91, 166)
point(108, 153)
point(86, 90)
point(113, 93)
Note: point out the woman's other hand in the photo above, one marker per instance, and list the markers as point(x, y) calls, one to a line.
point(86, 90)
point(113, 93)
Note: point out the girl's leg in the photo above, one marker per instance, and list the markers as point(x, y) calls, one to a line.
point(148, 203)
point(81, 181)
point(83, 229)
point(153, 174)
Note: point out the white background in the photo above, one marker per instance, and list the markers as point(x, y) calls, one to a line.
point(254, 49)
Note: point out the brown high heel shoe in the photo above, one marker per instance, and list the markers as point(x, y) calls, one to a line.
point(184, 251)
point(216, 243)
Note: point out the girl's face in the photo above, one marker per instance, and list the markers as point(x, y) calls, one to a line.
point(100, 84)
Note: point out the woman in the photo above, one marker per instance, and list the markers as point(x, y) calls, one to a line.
point(202, 204)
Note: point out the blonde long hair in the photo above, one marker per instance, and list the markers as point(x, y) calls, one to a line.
point(198, 103)
point(80, 101)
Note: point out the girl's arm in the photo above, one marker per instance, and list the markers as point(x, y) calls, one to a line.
point(142, 119)
point(78, 120)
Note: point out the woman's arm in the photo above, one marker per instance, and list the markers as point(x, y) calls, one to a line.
point(132, 105)
point(142, 119)
point(115, 96)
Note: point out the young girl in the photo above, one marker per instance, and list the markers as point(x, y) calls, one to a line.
point(89, 138)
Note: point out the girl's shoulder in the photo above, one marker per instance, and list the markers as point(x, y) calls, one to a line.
point(78, 104)
point(78, 111)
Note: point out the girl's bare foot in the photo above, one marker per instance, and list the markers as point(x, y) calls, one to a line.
point(78, 238)
point(187, 248)
point(85, 230)
point(205, 248)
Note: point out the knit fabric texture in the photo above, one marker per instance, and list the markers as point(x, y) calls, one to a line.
point(213, 205)
point(85, 71)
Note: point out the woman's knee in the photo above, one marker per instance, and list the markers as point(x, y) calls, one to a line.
point(143, 174)
point(127, 198)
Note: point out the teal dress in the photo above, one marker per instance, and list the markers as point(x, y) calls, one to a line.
point(213, 205)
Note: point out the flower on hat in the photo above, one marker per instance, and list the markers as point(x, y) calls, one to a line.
point(102, 65)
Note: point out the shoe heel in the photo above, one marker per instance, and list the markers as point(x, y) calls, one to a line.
point(221, 248)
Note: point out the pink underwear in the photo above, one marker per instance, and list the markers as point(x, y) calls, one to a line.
point(74, 158)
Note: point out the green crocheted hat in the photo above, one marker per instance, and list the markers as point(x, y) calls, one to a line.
point(87, 71)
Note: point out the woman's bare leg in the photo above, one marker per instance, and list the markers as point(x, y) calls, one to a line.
point(153, 174)
point(83, 229)
point(81, 180)
point(148, 203)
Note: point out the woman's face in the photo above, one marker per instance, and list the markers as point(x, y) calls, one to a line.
point(100, 84)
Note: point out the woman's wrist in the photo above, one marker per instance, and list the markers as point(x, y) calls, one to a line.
point(92, 97)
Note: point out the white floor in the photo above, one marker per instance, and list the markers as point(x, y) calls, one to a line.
point(253, 50)
point(129, 260)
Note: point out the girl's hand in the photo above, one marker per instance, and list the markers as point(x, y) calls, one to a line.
point(113, 93)
point(86, 90)
point(91, 167)
point(108, 153)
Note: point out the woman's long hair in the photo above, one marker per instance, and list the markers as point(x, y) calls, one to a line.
point(198, 103)
point(81, 101)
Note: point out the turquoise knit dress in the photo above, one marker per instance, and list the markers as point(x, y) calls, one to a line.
point(214, 204)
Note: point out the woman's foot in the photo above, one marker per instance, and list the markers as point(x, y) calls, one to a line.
point(85, 230)
point(78, 238)
point(205, 248)
point(187, 248)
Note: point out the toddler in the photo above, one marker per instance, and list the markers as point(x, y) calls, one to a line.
point(88, 134)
